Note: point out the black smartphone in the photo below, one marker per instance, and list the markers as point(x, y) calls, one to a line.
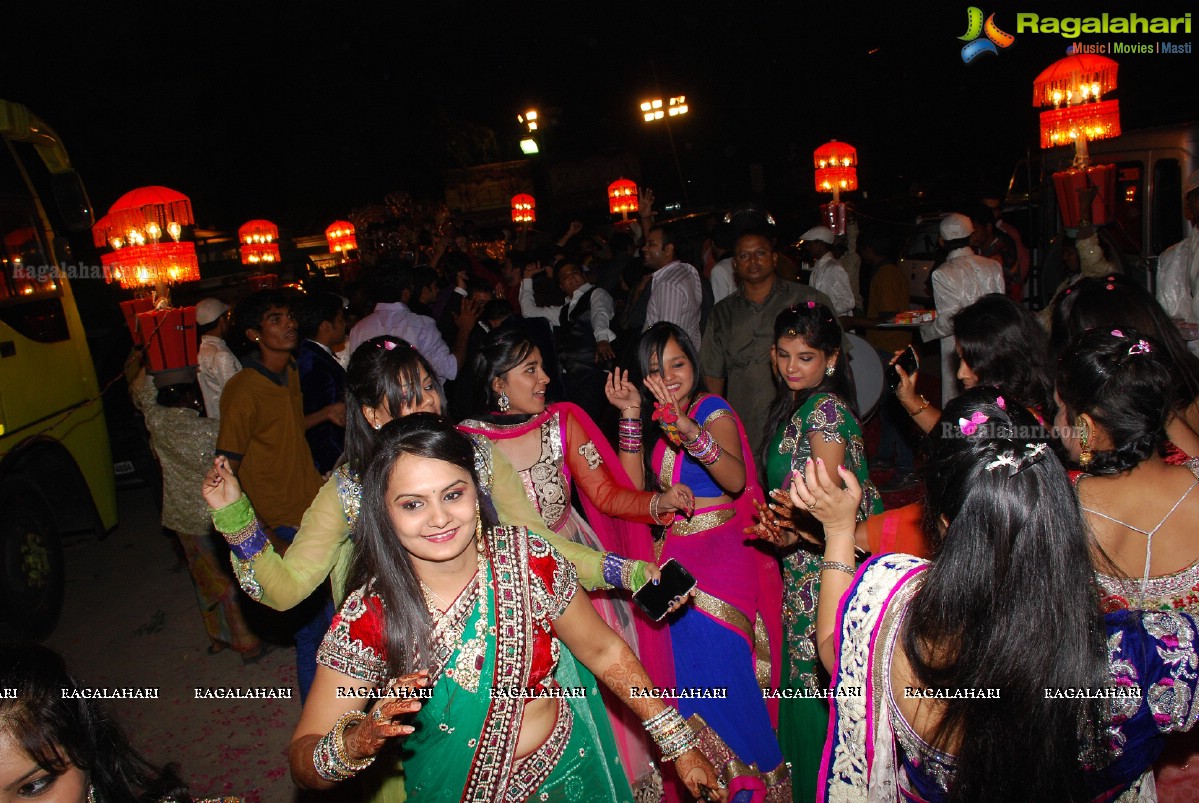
point(656, 600)
point(908, 361)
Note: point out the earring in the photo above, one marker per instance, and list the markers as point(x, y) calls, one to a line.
point(828, 369)
point(378, 425)
point(91, 793)
point(478, 523)
point(1085, 456)
point(502, 403)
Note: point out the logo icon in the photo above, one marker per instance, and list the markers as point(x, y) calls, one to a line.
point(975, 28)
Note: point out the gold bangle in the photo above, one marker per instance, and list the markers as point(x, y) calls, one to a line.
point(630, 407)
point(923, 407)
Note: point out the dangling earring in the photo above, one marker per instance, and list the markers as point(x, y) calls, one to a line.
point(1084, 456)
point(502, 403)
point(478, 524)
point(91, 793)
point(828, 369)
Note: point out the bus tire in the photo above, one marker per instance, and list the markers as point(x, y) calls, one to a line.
point(32, 567)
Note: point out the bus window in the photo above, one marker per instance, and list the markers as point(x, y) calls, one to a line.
point(30, 295)
point(1129, 204)
point(1167, 201)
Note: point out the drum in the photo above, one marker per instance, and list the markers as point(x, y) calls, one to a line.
point(868, 373)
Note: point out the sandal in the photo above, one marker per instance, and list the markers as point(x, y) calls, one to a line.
point(254, 656)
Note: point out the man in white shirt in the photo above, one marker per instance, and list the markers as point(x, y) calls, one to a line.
point(1178, 266)
point(676, 294)
point(828, 276)
point(217, 362)
point(391, 287)
point(962, 279)
point(582, 333)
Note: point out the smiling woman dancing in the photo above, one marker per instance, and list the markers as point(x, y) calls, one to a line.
point(451, 603)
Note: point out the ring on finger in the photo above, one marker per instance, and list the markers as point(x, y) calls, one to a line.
point(812, 506)
point(378, 715)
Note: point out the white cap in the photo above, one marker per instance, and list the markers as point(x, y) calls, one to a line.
point(209, 310)
point(1192, 184)
point(956, 227)
point(822, 233)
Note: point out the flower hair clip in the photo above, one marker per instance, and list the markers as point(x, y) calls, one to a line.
point(970, 426)
point(1000, 403)
point(1140, 347)
point(1033, 454)
point(811, 305)
point(1117, 333)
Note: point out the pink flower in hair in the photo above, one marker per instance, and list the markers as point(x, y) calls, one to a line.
point(1117, 333)
point(811, 305)
point(1000, 403)
point(971, 426)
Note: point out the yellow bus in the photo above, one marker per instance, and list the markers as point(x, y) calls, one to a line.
point(56, 472)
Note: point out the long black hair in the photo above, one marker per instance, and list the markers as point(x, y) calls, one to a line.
point(651, 347)
point(502, 350)
point(1009, 602)
point(1123, 380)
point(382, 369)
point(380, 560)
point(1005, 347)
point(820, 330)
point(1118, 302)
point(58, 730)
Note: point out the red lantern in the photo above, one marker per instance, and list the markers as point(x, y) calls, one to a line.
point(836, 168)
point(622, 198)
point(1070, 90)
point(341, 236)
point(170, 337)
point(1074, 87)
point(524, 208)
point(143, 228)
point(259, 242)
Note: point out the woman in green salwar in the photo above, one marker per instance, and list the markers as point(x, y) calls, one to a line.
point(810, 417)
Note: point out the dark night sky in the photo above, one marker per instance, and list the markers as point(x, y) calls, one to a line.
point(298, 111)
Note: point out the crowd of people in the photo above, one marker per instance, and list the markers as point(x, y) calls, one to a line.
point(465, 497)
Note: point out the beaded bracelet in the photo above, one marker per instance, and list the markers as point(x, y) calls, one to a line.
point(671, 733)
point(704, 448)
point(630, 435)
point(330, 758)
